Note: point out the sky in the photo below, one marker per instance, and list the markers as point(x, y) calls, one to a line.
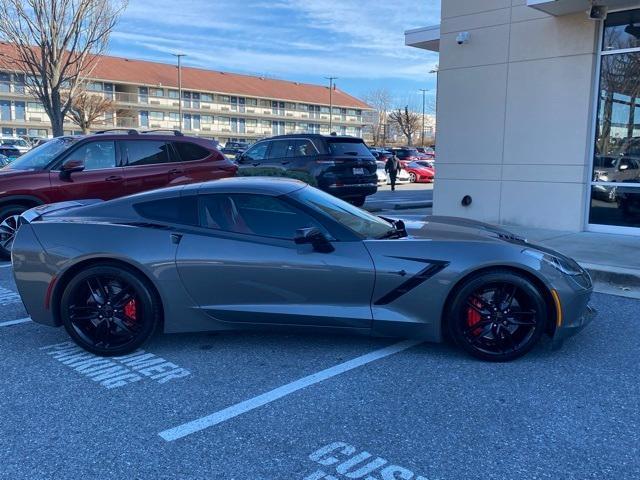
point(359, 41)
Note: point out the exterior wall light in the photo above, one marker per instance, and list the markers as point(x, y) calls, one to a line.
point(463, 38)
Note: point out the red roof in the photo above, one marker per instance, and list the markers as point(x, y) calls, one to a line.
point(142, 72)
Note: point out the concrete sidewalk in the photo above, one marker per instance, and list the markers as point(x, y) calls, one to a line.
point(612, 260)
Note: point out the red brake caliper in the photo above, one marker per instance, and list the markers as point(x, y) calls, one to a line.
point(473, 316)
point(130, 309)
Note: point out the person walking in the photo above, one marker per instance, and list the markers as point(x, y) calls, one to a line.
point(392, 167)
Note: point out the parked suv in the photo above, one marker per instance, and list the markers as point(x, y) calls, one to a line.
point(342, 166)
point(105, 165)
point(19, 143)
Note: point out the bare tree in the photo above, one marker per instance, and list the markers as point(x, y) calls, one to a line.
point(409, 123)
point(55, 44)
point(380, 100)
point(88, 108)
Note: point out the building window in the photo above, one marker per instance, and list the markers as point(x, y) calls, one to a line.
point(277, 108)
point(207, 119)
point(5, 82)
point(186, 99)
point(156, 92)
point(206, 97)
point(277, 128)
point(195, 100)
point(252, 102)
point(158, 116)
point(238, 125)
point(144, 119)
point(173, 94)
point(19, 109)
point(143, 95)
point(5, 110)
point(615, 186)
point(196, 122)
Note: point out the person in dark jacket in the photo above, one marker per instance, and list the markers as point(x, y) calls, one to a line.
point(392, 167)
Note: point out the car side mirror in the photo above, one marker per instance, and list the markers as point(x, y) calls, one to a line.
point(71, 166)
point(314, 237)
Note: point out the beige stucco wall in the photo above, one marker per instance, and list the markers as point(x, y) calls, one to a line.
point(514, 114)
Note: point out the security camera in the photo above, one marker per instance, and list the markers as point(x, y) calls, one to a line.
point(462, 38)
point(598, 12)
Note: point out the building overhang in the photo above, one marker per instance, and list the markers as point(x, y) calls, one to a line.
point(427, 38)
point(566, 7)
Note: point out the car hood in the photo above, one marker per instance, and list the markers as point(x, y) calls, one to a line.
point(460, 229)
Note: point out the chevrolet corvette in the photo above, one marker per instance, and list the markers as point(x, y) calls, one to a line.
point(255, 253)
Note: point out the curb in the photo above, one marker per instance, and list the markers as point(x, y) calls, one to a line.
point(624, 282)
point(400, 206)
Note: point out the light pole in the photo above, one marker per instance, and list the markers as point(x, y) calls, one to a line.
point(331, 80)
point(424, 92)
point(179, 56)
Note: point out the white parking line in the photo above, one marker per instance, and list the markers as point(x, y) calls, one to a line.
point(15, 322)
point(255, 402)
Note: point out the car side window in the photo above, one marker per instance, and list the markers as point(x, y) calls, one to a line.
point(145, 152)
point(279, 149)
point(183, 210)
point(95, 155)
point(257, 152)
point(252, 214)
point(189, 152)
point(301, 148)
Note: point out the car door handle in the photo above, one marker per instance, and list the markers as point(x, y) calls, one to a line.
point(113, 178)
point(175, 171)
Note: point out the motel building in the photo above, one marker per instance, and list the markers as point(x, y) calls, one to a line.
point(538, 112)
point(217, 105)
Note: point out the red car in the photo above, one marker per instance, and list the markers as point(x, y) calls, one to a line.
point(106, 165)
point(420, 172)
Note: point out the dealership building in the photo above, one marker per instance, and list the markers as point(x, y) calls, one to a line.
point(538, 112)
point(219, 105)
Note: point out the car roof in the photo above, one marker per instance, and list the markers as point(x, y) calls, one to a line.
point(274, 186)
point(314, 136)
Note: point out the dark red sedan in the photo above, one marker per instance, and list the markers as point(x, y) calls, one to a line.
point(420, 172)
point(103, 166)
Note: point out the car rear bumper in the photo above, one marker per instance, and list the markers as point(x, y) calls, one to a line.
point(352, 190)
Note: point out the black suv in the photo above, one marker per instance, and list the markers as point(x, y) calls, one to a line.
point(342, 166)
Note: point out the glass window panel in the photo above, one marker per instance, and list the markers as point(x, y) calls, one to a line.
point(618, 133)
point(622, 30)
point(615, 205)
point(96, 155)
point(145, 152)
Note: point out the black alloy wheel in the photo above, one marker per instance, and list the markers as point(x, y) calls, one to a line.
point(9, 217)
point(498, 316)
point(109, 310)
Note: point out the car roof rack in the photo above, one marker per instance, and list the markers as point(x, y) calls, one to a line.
point(177, 133)
point(130, 131)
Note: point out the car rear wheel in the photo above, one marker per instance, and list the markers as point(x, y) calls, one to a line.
point(497, 316)
point(9, 216)
point(412, 177)
point(109, 310)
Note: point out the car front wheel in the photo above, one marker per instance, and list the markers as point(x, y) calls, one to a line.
point(497, 316)
point(9, 217)
point(109, 310)
point(412, 177)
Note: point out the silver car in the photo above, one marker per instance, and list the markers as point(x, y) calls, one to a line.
point(252, 253)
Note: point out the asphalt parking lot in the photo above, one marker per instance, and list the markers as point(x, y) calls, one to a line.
point(318, 407)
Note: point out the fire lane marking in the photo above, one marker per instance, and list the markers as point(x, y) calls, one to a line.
point(280, 392)
point(15, 322)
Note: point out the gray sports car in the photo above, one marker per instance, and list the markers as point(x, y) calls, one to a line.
point(246, 253)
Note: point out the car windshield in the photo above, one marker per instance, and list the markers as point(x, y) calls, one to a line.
point(606, 162)
point(360, 222)
point(18, 142)
point(342, 146)
point(41, 156)
point(407, 152)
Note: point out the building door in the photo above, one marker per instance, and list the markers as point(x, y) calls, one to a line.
point(614, 197)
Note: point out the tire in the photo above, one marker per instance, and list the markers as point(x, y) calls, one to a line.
point(489, 329)
point(109, 310)
point(412, 177)
point(8, 226)
point(358, 201)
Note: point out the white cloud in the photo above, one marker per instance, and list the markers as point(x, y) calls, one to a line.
point(286, 38)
